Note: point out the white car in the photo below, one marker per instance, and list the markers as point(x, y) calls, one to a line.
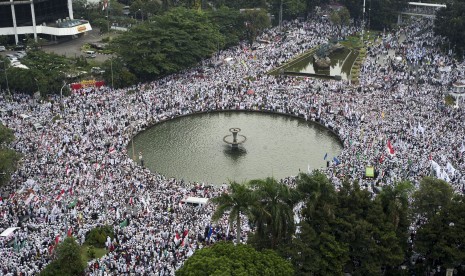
point(2, 48)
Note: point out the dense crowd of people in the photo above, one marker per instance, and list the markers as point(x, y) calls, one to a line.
point(76, 174)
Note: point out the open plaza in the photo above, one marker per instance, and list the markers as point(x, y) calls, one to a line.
point(76, 173)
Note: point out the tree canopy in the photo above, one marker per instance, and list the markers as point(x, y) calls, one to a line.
point(450, 23)
point(229, 259)
point(67, 260)
point(168, 43)
point(8, 157)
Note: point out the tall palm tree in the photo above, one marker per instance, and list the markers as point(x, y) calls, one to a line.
point(274, 216)
point(239, 200)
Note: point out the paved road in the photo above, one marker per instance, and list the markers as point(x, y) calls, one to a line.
point(72, 48)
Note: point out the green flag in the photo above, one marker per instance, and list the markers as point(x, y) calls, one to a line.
point(124, 223)
point(73, 204)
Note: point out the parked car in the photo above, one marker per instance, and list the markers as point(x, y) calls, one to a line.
point(20, 47)
point(20, 54)
point(2, 48)
point(91, 54)
point(97, 70)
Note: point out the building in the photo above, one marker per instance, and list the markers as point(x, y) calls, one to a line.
point(53, 18)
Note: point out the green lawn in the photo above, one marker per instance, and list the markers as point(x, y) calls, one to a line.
point(99, 252)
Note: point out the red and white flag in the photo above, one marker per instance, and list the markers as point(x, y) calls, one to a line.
point(58, 198)
point(70, 232)
point(390, 149)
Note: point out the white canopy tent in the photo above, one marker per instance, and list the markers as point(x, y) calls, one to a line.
point(8, 231)
point(195, 200)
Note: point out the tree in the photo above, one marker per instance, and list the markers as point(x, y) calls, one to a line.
point(8, 157)
point(432, 195)
point(67, 260)
point(169, 43)
point(450, 23)
point(239, 201)
point(315, 249)
point(230, 23)
point(441, 239)
point(273, 213)
point(228, 259)
point(116, 73)
point(340, 17)
point(362, 224)
point(255, 22)
point(381, 13)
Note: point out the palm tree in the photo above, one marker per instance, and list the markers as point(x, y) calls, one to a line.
point(274, 216)
point(238, 201)
point(318, 193)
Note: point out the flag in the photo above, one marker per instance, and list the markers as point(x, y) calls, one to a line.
point(390, 149)
point(210, 232)
point(177, 238)
point(70, 232)
point(336, 161)
point(326, 155)
point(381, 159)
point(124, 223)
point(57, 239)
point(58, 198)
point(73, 203)
point(131, 201)
point(28, 200)
point(450, 168)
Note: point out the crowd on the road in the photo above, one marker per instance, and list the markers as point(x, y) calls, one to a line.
point(76, 174)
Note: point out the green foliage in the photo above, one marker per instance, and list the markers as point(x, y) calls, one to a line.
point(239, 201)
point(450, 23)
point(116, 74)
point(230, 24)
point(45, 73)
point(98, 236)
point(88, 254)
point(171, 42)
point(432, 195)
point(441, 239)
point(348, 231)
point(91, 252)
point(228, 259)
point(6, 135)
point(340, 17)
point(68, 260)
point(8, 157)
point(273, 214)
point(449, 100)
point(255, 21)
point(381, 13)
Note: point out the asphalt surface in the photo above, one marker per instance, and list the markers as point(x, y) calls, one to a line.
point(72, 48)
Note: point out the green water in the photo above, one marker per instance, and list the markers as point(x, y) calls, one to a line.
point(341, 63)
point(192, 147)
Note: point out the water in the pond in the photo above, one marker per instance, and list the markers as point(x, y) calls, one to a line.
point(192, 147)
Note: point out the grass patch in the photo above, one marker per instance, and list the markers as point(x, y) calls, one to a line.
point(449, 100)
point(99, 252)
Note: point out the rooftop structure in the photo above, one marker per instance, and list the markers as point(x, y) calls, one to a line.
point(48, 17)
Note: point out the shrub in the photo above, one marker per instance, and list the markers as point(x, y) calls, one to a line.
point(97, 236)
